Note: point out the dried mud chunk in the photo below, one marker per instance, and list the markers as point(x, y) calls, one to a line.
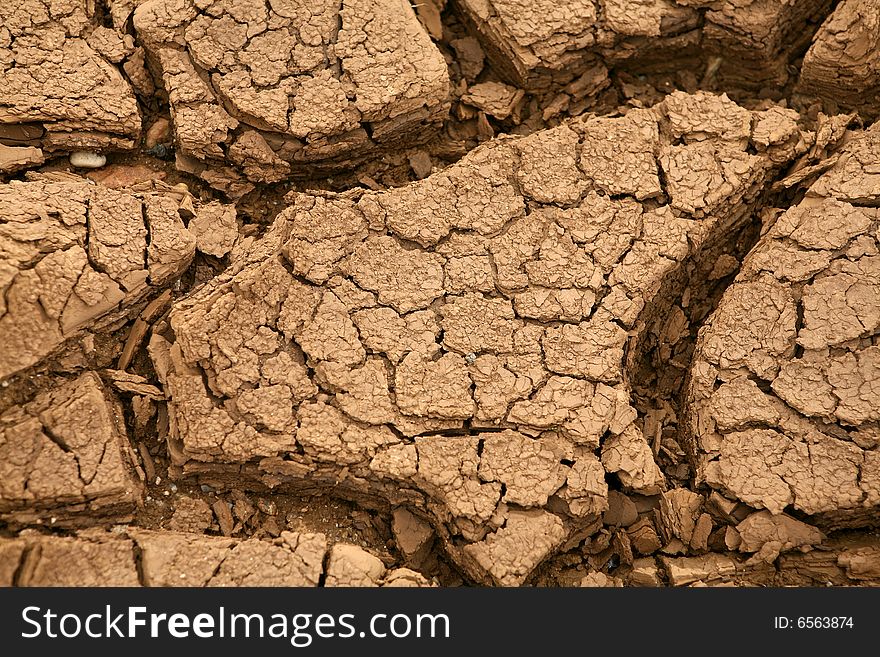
point(325, 434)
point(57, 75)
point(349, 565)
point(398, 461)
point(531, 35)
point(175, 559)
point(802, 317)
point(775, 127)
point(723, 173)
point(213, 431)
point(744, 45)
point(679, 511)
point(459, 346)
point(662, 245)
point(412, 535)
point(766, 469)
point(470, 56)
point(384, 331)
point(495, 98)
point(13, 158)
point(179, 559)
point(294, 85)
point(448, 468)
point(704, 116)
point(854, 178)
point(215, 229)
point(529, 469)
point(495, 387)
point(541, 45)
point(828, 224)
point(842, 387)
point(478, 194)
point(741, 402)
point(473, 324)
point(585, 490)
point(707, 568)
point(65, 455)
point(293, 562)
point(845, 561)
point(629, 456)
point(73, 253)
point(470, 273)
point(169, 558)
point(843, 63)
point(547, 304)
point(405, 578)
point(191, 515)
point(322, 233)
point(361, 393)
point(434, 388)
point(408, 57)
point(591, 349)
point(627, 164)
point(768, 535)
point(256, 159)
point(405, 279)
point(645, 573)
point(330, 335)
point(756, 40)
point(841, 307)
point(762, 315)
point(560, 263)
point(512, 552)
point(642, 17)
point(11, 553)
point(746, 465)
point(65, 561)
point(861, 563)
point(558, 400)
point(548, 171)
point(116, 243)
point(604, 227)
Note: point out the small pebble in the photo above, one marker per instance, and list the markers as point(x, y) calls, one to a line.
point(205, 488)
point(87, 160)
point(267, 506)
point(158, 133)
point(159, 150)
point(173, 488)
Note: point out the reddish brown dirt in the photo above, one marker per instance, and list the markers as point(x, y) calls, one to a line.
point(520, 301)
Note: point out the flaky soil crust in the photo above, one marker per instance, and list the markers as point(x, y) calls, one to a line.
point(476, 378)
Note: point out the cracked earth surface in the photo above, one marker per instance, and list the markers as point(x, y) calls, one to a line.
point(492, 293)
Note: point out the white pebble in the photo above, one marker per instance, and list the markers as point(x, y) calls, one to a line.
point(87, 160)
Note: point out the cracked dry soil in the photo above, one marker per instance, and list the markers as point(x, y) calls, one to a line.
point(486, 292)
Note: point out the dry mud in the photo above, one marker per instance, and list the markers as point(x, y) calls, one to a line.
point(491, 292)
